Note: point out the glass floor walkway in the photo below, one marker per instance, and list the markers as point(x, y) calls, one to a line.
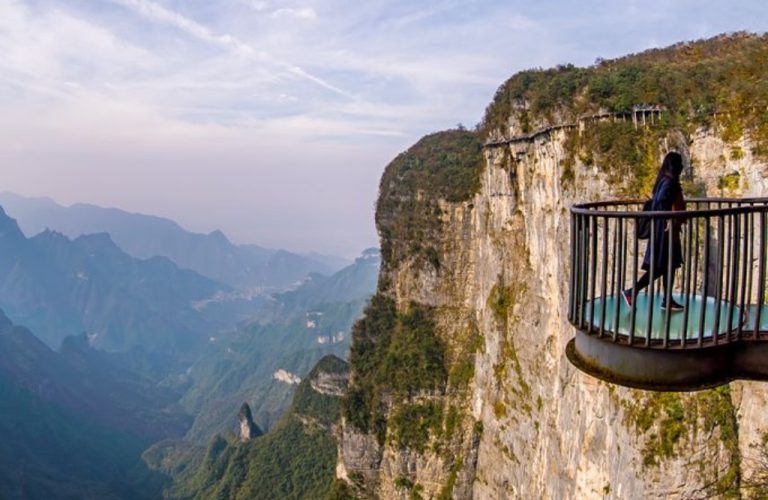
point(677, 319)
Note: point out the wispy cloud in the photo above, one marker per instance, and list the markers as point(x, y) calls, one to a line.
point(158, 13)
point(300, 13)
point(272, 119)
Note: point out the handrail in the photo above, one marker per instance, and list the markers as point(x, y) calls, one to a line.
point(721, 281)
point(749, 206)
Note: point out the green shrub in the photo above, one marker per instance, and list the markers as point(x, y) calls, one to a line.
point(729, 182)
point(395, 354)
point(412, 425)
point(340, 490)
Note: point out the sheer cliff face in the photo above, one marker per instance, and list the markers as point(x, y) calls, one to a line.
point(530, 425)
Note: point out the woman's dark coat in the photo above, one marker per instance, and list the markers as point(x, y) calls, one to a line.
point(668, 195)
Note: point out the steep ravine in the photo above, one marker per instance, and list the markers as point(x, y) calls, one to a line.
point(490, 272)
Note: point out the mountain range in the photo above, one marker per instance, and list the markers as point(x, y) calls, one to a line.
point(145, 236)
point(59, 287)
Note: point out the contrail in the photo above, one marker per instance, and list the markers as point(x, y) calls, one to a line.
point(158, 13)
point(300, 72)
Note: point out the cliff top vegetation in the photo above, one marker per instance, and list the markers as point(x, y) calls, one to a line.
point(725, 74)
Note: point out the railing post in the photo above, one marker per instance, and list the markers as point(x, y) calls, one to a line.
point(572, 288)
point(760, 276)
point(704, 282)
point(744, 232)
point(746, 295)
point(670, 227)
point(580, 271)
point(719, 282)
point(622, 250)
point(635, 259)
point(651, 283)
point(728, 259)
point(733, 269)
point(604, 277)
point(586, 249)
point(593, 270)
point(687, 271)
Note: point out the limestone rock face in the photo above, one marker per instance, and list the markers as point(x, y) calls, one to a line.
point(330, 384)
point(248, 429)
point(531, 425)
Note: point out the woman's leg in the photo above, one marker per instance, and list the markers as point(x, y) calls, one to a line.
point(668, 290)
point(645, 280)
point(641, 283)
point(669, 300)
point(630, 293)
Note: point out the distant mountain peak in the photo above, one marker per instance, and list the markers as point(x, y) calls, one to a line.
point(4, 321)
point(9, 228)
point(101, 242)
point(104, 238)
point(51, 234)
point(9, 195)
point(370, 256)
point(219, 236)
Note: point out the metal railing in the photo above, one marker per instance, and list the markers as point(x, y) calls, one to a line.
point(721, 283)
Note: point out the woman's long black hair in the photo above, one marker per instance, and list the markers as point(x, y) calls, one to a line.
point(671, 167)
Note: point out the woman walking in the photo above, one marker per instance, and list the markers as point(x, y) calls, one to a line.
point(667, 196)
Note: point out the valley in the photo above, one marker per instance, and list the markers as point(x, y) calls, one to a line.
point(126, 356)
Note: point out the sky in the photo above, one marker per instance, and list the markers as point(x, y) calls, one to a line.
point(273, 120)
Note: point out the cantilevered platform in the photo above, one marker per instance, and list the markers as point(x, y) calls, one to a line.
point(668, 370)
point(722, 332)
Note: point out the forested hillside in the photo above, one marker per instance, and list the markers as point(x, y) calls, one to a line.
point(74, 423)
